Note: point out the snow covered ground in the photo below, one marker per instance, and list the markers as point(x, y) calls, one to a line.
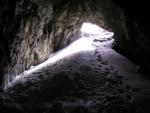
point(101, 75)
point(87, 42)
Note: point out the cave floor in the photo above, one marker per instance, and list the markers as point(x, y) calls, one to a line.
point(98, 80)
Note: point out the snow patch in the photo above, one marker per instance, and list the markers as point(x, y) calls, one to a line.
point(91, 33)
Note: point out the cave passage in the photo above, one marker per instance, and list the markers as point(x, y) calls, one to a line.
point(85, 41)
point(74, 56)
point(85, 73)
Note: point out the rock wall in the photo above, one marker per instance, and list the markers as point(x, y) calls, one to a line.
point(137, 47)
point(32, 30)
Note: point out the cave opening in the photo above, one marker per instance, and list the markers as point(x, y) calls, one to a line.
point(73, 56)
point(89, 36)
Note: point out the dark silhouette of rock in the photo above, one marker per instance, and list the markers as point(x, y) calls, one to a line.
point(57, 108)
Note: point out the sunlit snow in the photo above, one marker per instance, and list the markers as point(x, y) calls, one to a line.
point(90, 32)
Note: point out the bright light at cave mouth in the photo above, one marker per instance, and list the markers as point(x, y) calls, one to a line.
point(89, 32)
point(91, 28)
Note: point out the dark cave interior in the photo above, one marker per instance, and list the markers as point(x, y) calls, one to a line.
point(38, 32)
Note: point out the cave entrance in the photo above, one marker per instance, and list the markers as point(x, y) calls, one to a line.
point(97, 34)
point(90, 28)
point(85, 40)
point(90, 35)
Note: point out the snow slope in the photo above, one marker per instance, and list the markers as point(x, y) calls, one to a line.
point(101, 72)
